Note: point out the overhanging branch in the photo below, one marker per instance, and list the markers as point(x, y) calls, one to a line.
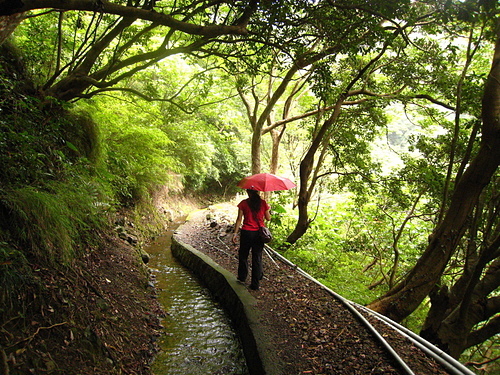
point(482, 334)
point(144, 14)
point(151, 99)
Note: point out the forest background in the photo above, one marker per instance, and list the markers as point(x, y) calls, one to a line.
point(385, 114)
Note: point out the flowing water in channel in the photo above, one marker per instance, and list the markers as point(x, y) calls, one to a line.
point(199, 338)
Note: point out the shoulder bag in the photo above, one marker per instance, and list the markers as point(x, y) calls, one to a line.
point(264, 232)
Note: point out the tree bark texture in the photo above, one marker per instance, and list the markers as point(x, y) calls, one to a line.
point(306, 169)
point(450, 321)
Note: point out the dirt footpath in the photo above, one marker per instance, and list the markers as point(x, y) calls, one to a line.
point(316, 334)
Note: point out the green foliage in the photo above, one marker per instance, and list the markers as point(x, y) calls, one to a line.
point(38, 140)
point(181, 141)
point(81, 137)
point(40, 223)
point(487, 351)
point(340, 271)
point(40, 62)
point(136, 157)
point(138, 160)
point(348, 245)
point(30, 144)
point(227, 166)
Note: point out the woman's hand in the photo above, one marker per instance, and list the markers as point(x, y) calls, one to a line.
point(235, 238)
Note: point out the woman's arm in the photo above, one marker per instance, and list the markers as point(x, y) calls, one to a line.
point(237, 225)
point(267, 215)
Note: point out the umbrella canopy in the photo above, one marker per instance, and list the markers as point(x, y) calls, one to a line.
point(265, 182)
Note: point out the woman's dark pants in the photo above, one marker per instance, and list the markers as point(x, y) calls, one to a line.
point(250, 240)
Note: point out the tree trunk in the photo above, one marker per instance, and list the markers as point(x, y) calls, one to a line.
point(8, 24)
point(453, 334)
point(306, 168)
point(256, 139)
point(453, 315)
point(276, 139)
point(406, 296)
point(302, 224)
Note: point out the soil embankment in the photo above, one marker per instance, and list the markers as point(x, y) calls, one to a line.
point(97, 315)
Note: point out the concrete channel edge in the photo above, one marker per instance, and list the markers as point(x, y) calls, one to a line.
point(239, 304)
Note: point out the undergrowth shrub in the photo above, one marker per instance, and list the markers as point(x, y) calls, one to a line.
point(52, 194)
point(15, 275)
point(81, 136)
point(48, 225)
point(330, 251)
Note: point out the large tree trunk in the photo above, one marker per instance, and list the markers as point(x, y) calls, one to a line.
point(8, 23)
point(453, 314)
point(407, 295)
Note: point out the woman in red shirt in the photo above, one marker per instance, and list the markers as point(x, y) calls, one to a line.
point(252, 211)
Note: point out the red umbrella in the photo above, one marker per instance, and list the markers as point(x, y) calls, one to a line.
point(265, 182)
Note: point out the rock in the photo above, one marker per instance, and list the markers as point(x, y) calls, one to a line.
point(145, 257)
point(169, 215)
point(120, 221)
point(131, 239)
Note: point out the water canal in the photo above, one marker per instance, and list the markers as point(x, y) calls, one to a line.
point(199, 338)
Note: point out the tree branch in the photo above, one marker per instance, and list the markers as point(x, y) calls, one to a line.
point(433, 100)
point(485, 332)
point(148, 98)
point(329, 108)
point(148, 15)
point(492, 306)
